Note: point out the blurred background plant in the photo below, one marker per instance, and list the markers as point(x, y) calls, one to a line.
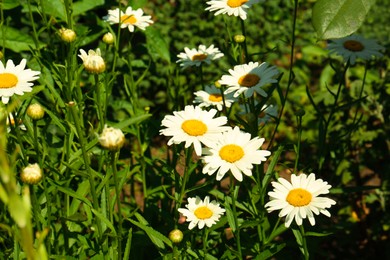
point(76, 202)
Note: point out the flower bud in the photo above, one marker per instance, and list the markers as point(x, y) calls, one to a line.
point(108, 38)
point(239, 38)
point(35, 111)
point(176, 236)
point(67, 35)
point(112, 138)
point(1, 55)
point(32, 174)
point(93, 61)
point(217, 84)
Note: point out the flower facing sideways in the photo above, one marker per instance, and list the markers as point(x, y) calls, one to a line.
point(129, 19)
point(234, 150)
point(195, 57)
point(93, 61)
point(201, 213)
point(230, 7)
point(15, 79)
point(212, 96)
point(300, 198)
point(355, 46)
point(249, 78)
point(193, 126)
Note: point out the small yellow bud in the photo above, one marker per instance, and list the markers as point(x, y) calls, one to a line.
point(93, 61)
point(32, 174)
point(35, 111)
point(176, 236)
point(239, 38)
point(112, 138)
point(67, 35)
point(108, 38)
point(217, 84)
point(1, 55)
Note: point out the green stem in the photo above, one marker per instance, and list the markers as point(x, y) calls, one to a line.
point(205, 240)
point(234, 188)
point(298, 151)
point(245, 55)
point(290, 73)
point(304, 243)
point(83, 146)
point(185, 178)
point(99, 103)
point(114, 158)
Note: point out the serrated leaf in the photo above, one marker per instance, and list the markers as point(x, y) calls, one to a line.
point(17, 40)
point(339, 18)
point(156, 45)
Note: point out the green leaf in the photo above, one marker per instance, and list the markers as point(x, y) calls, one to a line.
point(230, 215)
point(81, 7)
point(8, 4)
point(156, 45)
point(55, 8)
point(131, 121)
point(316, 234)
point(266, 254)
point(156, 237)
point(339, 18)
point(17, 40)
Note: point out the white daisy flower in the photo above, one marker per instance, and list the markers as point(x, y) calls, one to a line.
point(234, 150)
point(248, 78)
point(193, 126)
point(300, 198)
point(93, 61)
point(195, 57)
point(231, 7)
point(200, 213)
point(355, 46)
point(130, 19)
point(15, 79)
point(212, 96)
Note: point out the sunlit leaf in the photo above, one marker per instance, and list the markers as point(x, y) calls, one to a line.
point(156, 45)
point(17, 40)
point(339, 18)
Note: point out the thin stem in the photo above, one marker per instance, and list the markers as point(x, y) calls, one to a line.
point(99, 103)
point(234, 188)
point(114, 158)
point(245, 55)
point(298, 151)
point(290, 73)
point(304, 243)
point(205, 240)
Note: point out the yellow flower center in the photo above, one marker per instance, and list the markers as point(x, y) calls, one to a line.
point(203, 212)
point(199, 57)
point(299, 197)
point(128, 19)
point(8, 80)
point(249, 80)
point(215, 97)
point(194, 127)
point(231, 153)
point(236, 3)
point(353, 45)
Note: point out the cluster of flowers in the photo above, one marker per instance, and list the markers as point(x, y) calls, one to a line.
point(226, 149)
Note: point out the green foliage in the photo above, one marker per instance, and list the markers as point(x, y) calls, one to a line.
point(337, 19)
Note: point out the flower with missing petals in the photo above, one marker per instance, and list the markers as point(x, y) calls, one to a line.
point(129, 19)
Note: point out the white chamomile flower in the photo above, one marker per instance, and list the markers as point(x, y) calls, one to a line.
point(355, 46)
point(300, 198)
point(200, 213)
point(234, 150)
point(212, 96)
point(130, 18)
point(230, 7)
point(15, 80)
point(193, 126)
point(249, 78)
point(93, 61)
point(195, 57)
